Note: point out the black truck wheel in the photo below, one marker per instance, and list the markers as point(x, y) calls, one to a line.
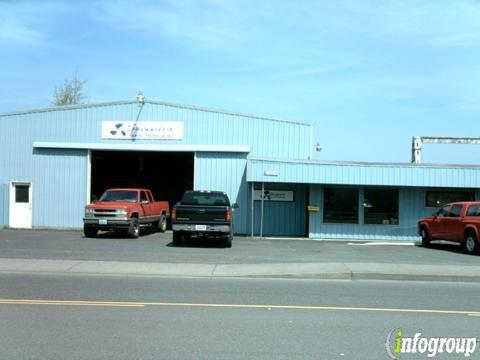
point(177, 238)
point(228, 241)
point(90, 232)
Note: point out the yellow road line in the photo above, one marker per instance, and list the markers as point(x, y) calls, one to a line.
point(325, 308)
point(68, 303)
point(234, 306)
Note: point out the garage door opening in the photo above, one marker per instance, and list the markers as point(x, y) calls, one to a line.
point(167, 174)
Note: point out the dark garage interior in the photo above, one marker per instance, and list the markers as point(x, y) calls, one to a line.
point(166, 174)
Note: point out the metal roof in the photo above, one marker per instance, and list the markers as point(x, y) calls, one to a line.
point(362, 173)
point(153, 102)
point(365, 163)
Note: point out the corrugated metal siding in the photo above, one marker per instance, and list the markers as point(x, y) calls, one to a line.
point(411, 209)
point(225, 172)
point(365, 174)
point(58, 177)
point(315, 228)
point(266, 137)
point(59, 194)
point(55, 172)
point(4, 204)
point(3, 175)
point(282, 218)
point(16, 162)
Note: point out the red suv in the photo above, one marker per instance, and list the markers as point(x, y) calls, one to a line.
point(458, 221)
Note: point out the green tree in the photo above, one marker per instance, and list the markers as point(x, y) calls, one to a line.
point(70, 93)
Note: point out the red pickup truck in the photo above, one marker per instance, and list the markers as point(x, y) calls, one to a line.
point(125, 209)
point(459, 222)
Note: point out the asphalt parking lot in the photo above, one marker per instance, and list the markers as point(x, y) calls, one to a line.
point(156, 247)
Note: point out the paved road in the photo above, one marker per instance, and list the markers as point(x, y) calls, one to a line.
point(163, 318)
point(156, 247)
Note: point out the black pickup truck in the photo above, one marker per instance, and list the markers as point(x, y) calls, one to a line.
point(201, 214)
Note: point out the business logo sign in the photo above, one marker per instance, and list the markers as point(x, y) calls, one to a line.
point(398, 344)
point(273, 195)
point(142, 130)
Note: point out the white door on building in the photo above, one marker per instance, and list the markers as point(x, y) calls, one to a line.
point(20, 214)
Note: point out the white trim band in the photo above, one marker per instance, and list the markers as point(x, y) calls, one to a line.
point(142, 147)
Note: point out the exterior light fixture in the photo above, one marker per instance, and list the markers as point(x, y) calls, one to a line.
point(140, 98)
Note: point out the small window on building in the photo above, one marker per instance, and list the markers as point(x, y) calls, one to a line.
point(381, 206)
point(473, 210)
point(455, 210)
point(21, 193)
point(439, 198)
point(340, 205)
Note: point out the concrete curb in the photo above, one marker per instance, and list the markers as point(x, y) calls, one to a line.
point(337, 271)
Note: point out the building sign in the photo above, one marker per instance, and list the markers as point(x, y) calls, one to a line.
point(270, 173)
point(273, 195)
point(142, 130)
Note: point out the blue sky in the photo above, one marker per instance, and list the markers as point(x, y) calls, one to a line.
point(368, 74)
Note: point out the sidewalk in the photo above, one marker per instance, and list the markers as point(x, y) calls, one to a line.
point(69, 252)
point(338, 270)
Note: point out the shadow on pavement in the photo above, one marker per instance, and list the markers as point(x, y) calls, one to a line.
point(445, 246)
point(208, 243)
point(119, 234)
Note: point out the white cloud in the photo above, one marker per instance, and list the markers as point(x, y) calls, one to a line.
point(20, 24)
point(434, 23)
point(208, 24)
point(12, 31)
point(301, 37)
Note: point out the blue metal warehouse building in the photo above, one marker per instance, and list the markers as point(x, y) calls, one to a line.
point(54, 161)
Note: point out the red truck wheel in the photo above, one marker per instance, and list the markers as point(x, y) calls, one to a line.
point(134, 230)
point(425, 237)
point(162, 224)
point(471, 244)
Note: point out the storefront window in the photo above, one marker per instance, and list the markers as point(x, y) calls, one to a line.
point(340, 205)
point(381, 206)
point(439, 198)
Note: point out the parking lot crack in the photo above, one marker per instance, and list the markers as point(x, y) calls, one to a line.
point(74, 265)
point(213, 270)
point(349, 270)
